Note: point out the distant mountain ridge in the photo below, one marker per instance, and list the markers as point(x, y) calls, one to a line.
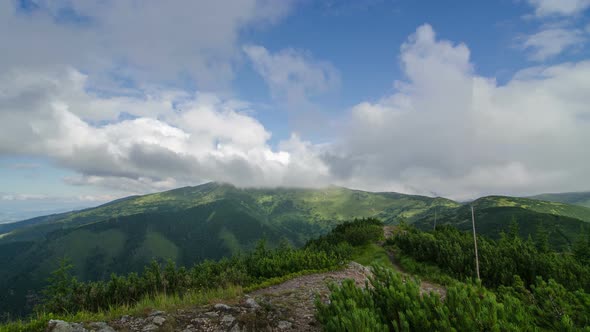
point(581, 198)
point(216, 220)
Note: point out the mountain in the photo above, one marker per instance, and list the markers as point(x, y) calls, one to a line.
point(576, 198)
point(186, 225)
point(494, 214)
point(216, 220)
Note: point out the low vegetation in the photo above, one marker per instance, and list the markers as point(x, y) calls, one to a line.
point(525, 287)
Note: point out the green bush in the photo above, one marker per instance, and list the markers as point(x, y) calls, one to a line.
point(391, 303)
point(452, 251)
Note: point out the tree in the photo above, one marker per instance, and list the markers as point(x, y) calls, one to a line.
point(61, 289)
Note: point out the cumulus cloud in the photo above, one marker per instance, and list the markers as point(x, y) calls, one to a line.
point(452, 132)
point(545, 8)
point(446, 130)
point(292, 75)
point(551, 42)
point(173, 138)
point(137, 42)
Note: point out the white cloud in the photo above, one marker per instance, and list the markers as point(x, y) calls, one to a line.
point(177, 138)
point(450, 131)
point(293, 75)
point(147, 42)
point(551, 42)
point(445, 130)
point(545, 8)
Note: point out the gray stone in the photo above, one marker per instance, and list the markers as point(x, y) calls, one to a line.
point(55, 325)
point(284, 325)
point(159, 320)
point(200, 321)
point(228, 319)
point(150, 328)
point(236, 328)
point(101, 327)
point(212, 314)
point(251, 303)
point(157, 313)
point(78, 327)
point(221, 306)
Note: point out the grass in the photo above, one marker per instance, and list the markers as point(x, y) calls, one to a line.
point(39, 321)
point(424, 271)
point(372, 254)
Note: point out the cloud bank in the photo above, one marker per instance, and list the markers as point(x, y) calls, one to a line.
point(445, 129)
point(146, 41)
point(450, 131)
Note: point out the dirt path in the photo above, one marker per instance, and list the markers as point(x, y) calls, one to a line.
point(296, 297)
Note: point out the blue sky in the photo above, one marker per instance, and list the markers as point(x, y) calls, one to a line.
point(103, 99)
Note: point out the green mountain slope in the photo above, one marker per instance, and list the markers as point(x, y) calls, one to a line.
point(555, 208)
point(494, 214)
point(186, 225)
point(319, 207)
point(215, 220)
point(576, 198)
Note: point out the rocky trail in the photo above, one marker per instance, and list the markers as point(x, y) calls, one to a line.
point(289, 306)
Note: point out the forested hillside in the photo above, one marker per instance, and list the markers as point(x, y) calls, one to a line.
point(67, 297)
point(186, 225)
point(494, 214)
point(576, 198)
point(211, 221)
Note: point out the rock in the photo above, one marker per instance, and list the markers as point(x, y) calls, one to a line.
point(251, 303)
point(228, 319)
point(159, 320)
point(222, 307)
point(360, 268)
point(100, 327)
point(157, 313)
point(149, 328)
point(124, 318)
point(55, 325)
point(212, 314)
point(200, 321)
point(284, 325)
point(236, 328)
point(78, 327)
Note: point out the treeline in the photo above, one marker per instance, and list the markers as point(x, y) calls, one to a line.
point(530, 287)
point(499, 261)
point(65, 294)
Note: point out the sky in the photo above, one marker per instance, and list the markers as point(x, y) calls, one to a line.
point(105, 99)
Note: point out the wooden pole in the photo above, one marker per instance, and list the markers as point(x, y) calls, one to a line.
point(475, 242)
